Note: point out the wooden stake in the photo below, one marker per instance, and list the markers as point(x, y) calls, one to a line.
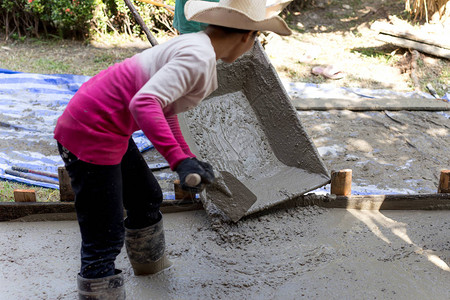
point(65, 188)
point(25, 195)
point(444, 182)
point(181, 194)
point(341, 182)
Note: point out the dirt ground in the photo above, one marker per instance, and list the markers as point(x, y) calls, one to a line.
point(388, 152)
point(324, 32)
point(339, 33)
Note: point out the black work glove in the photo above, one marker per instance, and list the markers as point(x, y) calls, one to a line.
point(194, 166)
point(208, 169)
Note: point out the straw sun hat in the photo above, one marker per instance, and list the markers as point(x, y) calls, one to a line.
point(242, 14)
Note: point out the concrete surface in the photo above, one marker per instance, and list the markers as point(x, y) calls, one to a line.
point(295, 253)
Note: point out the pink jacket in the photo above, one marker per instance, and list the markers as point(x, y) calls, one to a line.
point(143, 92)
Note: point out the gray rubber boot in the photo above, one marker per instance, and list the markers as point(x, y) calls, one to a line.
point(106, 288)
point(146, 249)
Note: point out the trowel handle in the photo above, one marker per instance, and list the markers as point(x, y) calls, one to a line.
point(193, 180)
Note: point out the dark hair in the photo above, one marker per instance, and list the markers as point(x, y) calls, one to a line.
point(229, 29)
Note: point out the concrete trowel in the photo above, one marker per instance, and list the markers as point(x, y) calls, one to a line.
point(249, 131)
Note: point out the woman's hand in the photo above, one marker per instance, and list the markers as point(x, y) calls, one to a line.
point(192, 166)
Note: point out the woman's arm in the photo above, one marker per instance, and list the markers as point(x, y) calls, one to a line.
point(176, 130)
point(147, 112)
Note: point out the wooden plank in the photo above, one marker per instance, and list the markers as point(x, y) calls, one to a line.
point(387, 202)
point(411, 34)
point(174, 208)
point(12, 210)
point(15, 210)
point(409, 44)
point(24, 195)
point(367, 104)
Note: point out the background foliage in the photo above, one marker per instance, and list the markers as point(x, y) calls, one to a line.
point(80, 19)
point(84, 19)
point(429, 10)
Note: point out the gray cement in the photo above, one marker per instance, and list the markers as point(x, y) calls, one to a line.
point(249, 128)
point(298, 253)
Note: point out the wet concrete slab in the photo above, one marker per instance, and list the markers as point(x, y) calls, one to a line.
point(295, 253)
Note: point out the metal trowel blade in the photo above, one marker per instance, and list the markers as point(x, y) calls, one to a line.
point(231, 196)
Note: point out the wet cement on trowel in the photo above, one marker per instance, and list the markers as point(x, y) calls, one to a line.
point(295, 253)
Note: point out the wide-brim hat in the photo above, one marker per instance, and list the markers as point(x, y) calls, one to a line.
point(241, 14)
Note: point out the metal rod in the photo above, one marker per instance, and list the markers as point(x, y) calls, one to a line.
point(29, 176)
point(26, 170)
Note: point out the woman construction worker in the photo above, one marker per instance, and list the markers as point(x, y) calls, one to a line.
point(145, 92)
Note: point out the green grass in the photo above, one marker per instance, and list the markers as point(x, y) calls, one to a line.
point(439, 78)
point(42, 194)
point(297, 29)
point(55, 66)
point(104, 58)
point(330, 15)
point(445, 75)
point(355, 3)
point(375, 54)
point(53, 56)
point(7, 191)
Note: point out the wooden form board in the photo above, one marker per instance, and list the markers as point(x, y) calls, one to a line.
point(11, 210)
point(410, 33)
point(408, 37)
point(15, 210)
point(367, 104)
point(405, 43)
point(387, 202)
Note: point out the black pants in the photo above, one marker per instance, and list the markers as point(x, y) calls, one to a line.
point(101, 194)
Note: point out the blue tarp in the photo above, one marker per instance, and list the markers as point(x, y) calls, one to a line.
point(326, 91)
point(30, 104)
